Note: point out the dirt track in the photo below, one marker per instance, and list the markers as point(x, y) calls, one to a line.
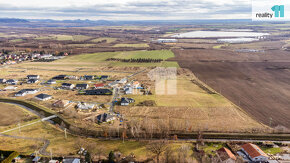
point(258, 82)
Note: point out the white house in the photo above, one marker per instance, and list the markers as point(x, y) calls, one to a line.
point(31, 81)
point(67, 86)
point(2, 81)
point(12, 81)
point(84, 106)
point(24, 92)
point(254, 153)
point(32, 76)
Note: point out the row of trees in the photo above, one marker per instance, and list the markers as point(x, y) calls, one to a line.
point(138, 60)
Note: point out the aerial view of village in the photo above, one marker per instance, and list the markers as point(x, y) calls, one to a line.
point(116, 88)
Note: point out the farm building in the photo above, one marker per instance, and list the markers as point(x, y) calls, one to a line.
point(43, 97)
point(226, 156)
point(82, 86)
point(99, 92)
point(254, 153)
point(32, 76)
point(104, 118)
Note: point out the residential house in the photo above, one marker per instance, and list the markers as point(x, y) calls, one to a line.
point(100, 85)
point(136, 84)
point(71, 160)
point(36, 159)
point(254, 153)
point(51, 81)
point(128, 90)
point(99, 92)
point(67, 86)
point(31, 81)
point(61, 103)
point(105, 118)
point(2, 81)
point(32, 76)
point(12, 81)
point(43, 97)
point(104, 77)
point(60, 77)
point(82, 86)
point(85, 106)
point(126, 101)
point(10, 88)
point(123, 81)
point(53, 161)
point(24, 92)
point(225, 155)
point(113, 84)
point(88, 77)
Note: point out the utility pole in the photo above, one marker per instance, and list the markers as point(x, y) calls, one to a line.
point(19, 129)
point(65, 135)
point(50, 154)
point(270, 123)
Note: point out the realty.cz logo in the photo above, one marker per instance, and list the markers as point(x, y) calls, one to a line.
point(278, 12)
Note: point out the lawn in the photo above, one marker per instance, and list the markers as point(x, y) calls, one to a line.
point(272, 151)
point(132, 45)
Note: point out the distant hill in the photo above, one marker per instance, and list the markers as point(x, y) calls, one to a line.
point(13, 20)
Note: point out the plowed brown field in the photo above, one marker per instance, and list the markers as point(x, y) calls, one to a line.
point(258, 82)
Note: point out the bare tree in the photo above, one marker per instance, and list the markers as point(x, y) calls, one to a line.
point(157, 147)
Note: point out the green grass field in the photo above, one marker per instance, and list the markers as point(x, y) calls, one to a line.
point(64, 37)
point(132, 45)
point(16, 40)
point(100, 59)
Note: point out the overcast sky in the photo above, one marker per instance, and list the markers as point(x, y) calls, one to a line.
point(126, 9)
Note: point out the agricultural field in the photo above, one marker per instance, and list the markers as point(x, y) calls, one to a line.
point(191, 108)
point(132, 45)
point(250, 80)
point(107, 39)
point(93, 60)
point(64, 37)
